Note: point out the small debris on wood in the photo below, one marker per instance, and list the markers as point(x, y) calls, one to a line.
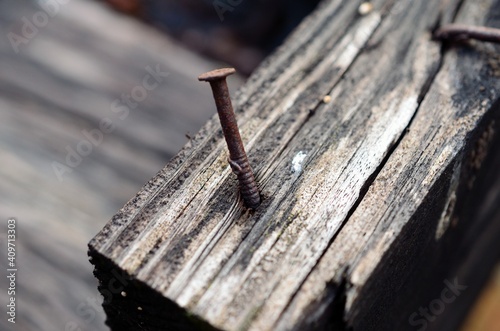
point(297, 162)
point(365, 8)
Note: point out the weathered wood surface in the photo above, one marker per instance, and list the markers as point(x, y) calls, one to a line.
point(63, 81)
point(358, 194)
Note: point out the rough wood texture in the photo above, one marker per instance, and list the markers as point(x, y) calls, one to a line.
point(61, 82)
point(357, 193)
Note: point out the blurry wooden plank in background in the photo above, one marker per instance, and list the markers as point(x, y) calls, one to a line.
point(63, 81)
point(485, 316)
point(242, 33)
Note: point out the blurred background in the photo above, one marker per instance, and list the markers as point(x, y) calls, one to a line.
point(240, 33)
point(95, 98)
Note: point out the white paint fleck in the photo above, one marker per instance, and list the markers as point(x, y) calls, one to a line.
point(449, 207)
point(297, 162)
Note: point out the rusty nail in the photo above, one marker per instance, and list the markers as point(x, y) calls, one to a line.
point(237, 156)
point(462, 32)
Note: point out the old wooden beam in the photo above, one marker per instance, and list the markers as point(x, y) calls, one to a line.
point(357, 192)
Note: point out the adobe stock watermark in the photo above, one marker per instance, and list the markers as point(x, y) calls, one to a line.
point(426, 315)
point(31, 25)
point(223, 6)
point(121, 107)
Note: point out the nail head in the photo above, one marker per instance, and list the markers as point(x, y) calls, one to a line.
point(216, 74)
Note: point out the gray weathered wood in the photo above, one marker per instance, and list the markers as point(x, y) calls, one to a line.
point(61, 82)
point(342, 182)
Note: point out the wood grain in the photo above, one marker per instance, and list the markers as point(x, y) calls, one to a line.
point(383, 161)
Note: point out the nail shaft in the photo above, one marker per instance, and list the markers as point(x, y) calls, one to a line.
point(462, 32)
point(237, 156)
